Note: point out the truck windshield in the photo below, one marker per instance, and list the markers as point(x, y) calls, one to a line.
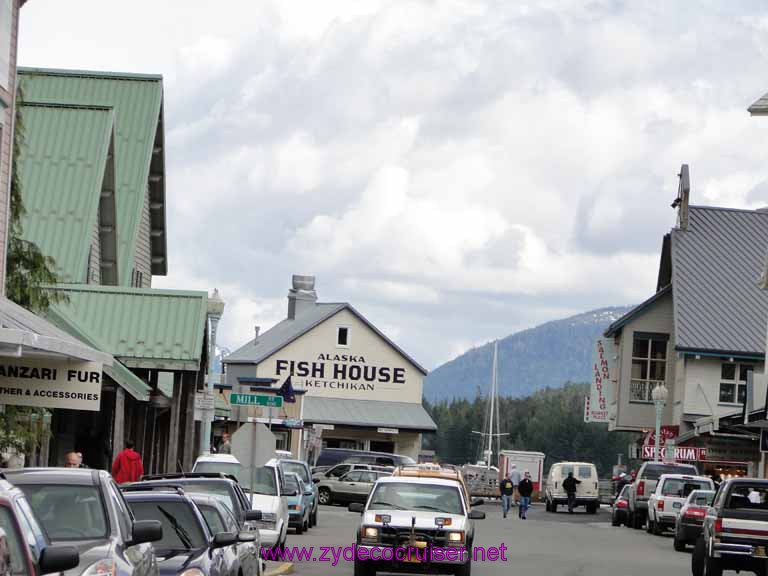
point(681, 488)
point(655, 471)
point(412, 496)
point(748, 496)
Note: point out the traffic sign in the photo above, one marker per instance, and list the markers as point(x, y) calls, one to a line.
point(256, 400)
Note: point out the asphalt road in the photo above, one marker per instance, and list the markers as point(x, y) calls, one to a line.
point(545, 543)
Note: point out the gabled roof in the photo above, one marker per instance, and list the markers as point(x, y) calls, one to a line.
point(719, 305)
point(137, 102)
point(366, 413)
point(143, 328)
point(62, 166)
point(614, 329)
point(286, 331)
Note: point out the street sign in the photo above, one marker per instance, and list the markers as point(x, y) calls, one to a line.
point(255, 400)
point(204, 400)
point(387, 430)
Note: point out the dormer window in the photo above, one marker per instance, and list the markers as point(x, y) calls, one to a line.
point(342, 337)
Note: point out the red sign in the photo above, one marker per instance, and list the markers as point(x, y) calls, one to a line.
point(682, 453)
point(667, 433)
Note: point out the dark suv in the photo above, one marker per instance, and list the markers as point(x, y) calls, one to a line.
point(28, 550)
point(85, 508)
point(223, 486)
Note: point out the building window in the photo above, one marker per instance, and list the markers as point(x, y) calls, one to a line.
point(342, 337)
point(733, 382)
point(649, 366)
point(282, 440)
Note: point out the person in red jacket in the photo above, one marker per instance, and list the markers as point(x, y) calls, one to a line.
point(127, 467)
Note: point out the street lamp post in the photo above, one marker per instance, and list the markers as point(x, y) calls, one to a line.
point(215, 311)
point(659, 397)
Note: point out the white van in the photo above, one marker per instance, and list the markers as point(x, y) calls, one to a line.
point(587, 492)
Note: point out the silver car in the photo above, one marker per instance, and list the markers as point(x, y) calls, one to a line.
point(353, 486)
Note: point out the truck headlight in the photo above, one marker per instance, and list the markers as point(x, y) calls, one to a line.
point(370, 533)
point(455, 537)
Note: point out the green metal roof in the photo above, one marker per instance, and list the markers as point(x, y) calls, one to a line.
point(141, 327)
point(62, 168)
point(137, 102)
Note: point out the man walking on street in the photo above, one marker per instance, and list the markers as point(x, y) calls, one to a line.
point(225, 447)
point(507, 489)
point(514, 475)
point(127, 467)
point(526, 489)
point(569, 485)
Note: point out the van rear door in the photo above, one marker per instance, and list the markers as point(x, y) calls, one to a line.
point(589, 486)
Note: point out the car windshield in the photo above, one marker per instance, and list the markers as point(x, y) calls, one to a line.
point(14, 560)
point(701, 497)
point(681, 488)
point(416, 496)
point(181, 528)
point(212, 518)
point(68, 512)
point(655, 471)
point(232, 468)
point(297, 469)
point(219, 490)
point(290, 484)
point(263, 482)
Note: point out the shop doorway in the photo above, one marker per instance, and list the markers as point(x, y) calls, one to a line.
point(382, 446)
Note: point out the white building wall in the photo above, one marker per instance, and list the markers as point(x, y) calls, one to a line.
point(703, 387)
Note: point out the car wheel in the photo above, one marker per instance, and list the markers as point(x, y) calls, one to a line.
point(306, 524)
point(364, 568)
point(697, 558)
point(465, 569)
point(325, 496)
point(712, 566)
point(313, 519)
point(637, 521)
point(553, 506)
point(678, 544)
point(658, 529)
point(615, 520)
point(649, 527)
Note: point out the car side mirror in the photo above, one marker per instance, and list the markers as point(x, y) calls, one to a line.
point(356, 507)
point(146, 531)
point(476, 515)
point(478, 502)
point(246, 537)
point(252, 515)
point(223, 539)
point(58, 559)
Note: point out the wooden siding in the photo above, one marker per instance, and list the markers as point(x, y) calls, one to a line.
point(143, 259)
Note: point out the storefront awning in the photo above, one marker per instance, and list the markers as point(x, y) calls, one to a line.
point(132, 384)
point(367, 413)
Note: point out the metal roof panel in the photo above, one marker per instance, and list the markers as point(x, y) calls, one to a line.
point(367, 413)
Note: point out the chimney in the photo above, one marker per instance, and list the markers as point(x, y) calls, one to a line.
point(302, 296)
point(256, 334)
point(683, 197)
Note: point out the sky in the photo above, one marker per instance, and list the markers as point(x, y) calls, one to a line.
point(456, 170)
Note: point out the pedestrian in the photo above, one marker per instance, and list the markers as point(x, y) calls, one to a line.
point(127, 467)
point(72, 460)
point(514, 476)
point(526, 490)
point(225, 447)
point(507, 490)
point(569, 485)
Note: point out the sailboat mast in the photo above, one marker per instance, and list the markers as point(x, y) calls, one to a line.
point(493, 401)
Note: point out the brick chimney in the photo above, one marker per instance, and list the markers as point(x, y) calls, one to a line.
point(302, 296)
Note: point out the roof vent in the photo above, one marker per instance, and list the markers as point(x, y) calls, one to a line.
point(256, 334)
point(302, 296)
point(683, 195)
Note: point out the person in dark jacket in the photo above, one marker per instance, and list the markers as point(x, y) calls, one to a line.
point(525, 488)
point(569, 485)
point(507, 489)
point(127, 467)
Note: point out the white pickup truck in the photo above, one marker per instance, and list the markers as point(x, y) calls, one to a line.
point(671, 492)
point(645, 484)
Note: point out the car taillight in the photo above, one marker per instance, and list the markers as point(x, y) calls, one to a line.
point(695, 513)
point(641, 488)
point(660, 505)
point(718, 525)
point(621, 504)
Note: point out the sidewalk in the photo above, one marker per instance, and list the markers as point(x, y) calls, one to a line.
point(277, 568)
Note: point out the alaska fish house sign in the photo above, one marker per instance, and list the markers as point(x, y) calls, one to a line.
point(340, 372)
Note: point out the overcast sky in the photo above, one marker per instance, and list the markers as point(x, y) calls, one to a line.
point(456, 170)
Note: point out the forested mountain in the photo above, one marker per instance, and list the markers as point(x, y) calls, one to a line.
point(549, 421)
point(546, 356)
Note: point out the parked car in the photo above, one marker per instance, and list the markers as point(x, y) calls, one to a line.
point(735, 528)
point(587, 492)
point(431, 512)
point(299, 502)
point(30, 551)
point(85, 508)
point(269, 496)
point(224, 487)
point(671, 492)
point(302, 469)
point(219, 463)
point(331, 456)
point(644, 485)
point(339, 470)
point(620, 508)
point(354, 486)
point(220, 519)
point(188, 546)
point(691, 518)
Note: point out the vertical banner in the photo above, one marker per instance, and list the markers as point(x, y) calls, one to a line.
point(603, 378)
point(586, 408)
